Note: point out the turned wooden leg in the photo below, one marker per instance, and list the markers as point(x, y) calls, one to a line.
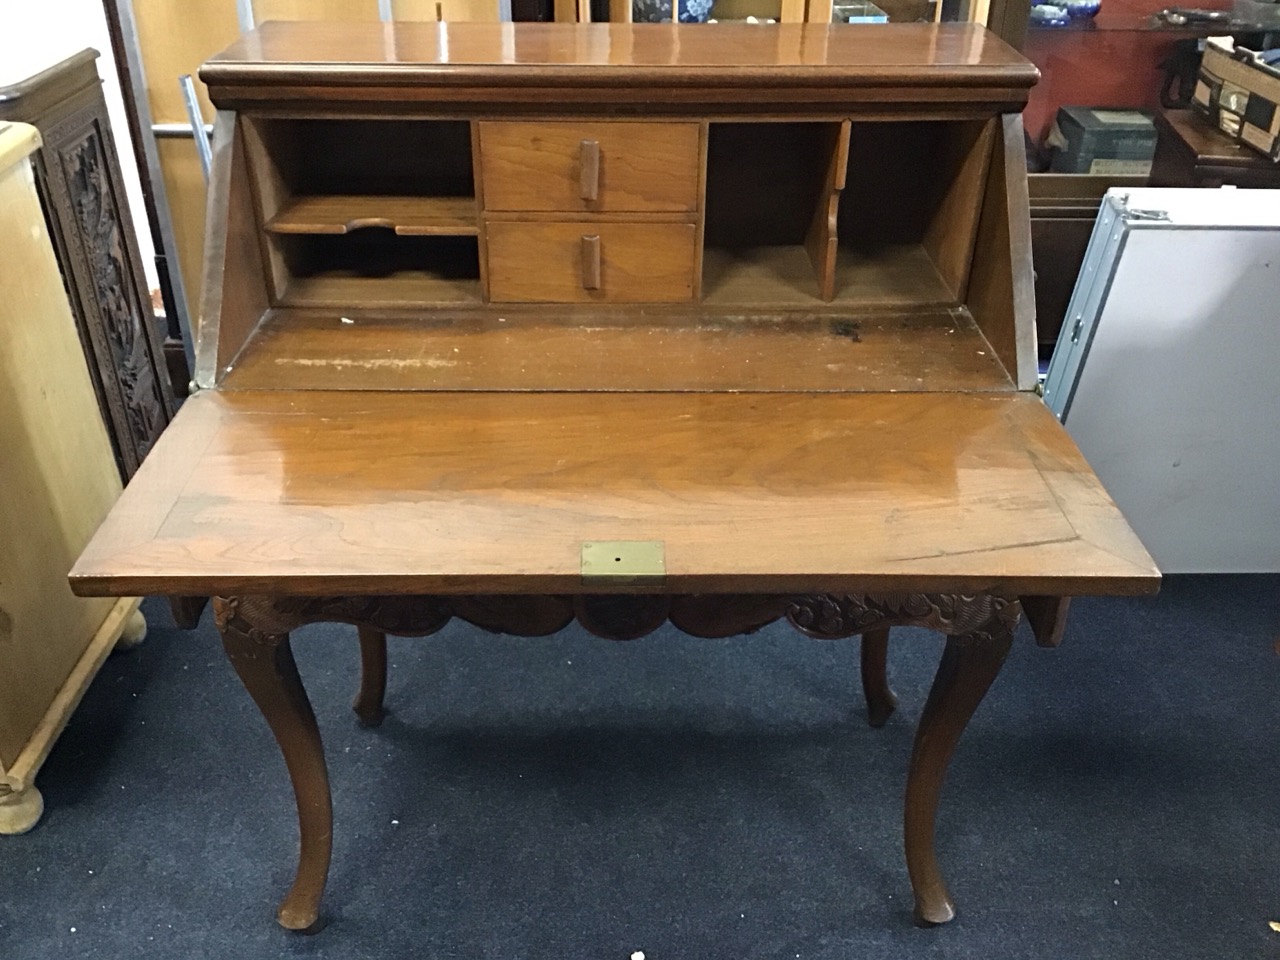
point(373, 677)
point(20, 810)
point(969, 664)
point(187, 611)
point(881, 700)
point(133, 632)
point(265, 664)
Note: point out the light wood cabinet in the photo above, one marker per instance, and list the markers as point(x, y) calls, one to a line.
point(58, 479)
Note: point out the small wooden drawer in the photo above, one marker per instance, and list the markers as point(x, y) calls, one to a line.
point(586, 262)
point(590, 167)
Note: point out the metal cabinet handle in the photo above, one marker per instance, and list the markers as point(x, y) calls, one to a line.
point(591, 262)
point(589, 169)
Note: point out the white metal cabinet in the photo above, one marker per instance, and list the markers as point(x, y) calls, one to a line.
point(1167, 372)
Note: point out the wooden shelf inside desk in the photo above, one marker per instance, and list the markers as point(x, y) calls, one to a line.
point(524, 348)
point(394, 290)
point(379, 269)
point(898, 275)
point(407, 216)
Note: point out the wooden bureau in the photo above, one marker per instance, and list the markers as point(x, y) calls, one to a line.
point(527, 324)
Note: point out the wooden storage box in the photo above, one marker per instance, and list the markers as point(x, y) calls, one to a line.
point(1240, 94)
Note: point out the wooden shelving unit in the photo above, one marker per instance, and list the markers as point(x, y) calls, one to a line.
point(738, 238)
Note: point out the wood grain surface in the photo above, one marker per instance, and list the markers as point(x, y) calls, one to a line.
point(641, 167)
point(801, 65)
point(890, 275)
point(635, 262)
point(1001, 292)
point(297, 493)
point(419, 287)
point(919, 54)
point(672, 349)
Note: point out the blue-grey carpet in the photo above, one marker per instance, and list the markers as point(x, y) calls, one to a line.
point(575, 799)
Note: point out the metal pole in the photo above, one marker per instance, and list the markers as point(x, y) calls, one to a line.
point(192, 103)
point(177, 131)
point(244, 13)
point(159, 216)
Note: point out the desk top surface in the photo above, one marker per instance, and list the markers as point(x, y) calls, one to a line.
point(322, 492)
point(683, 55)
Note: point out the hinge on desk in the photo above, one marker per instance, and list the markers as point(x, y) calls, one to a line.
point(1128, 213)
point(641, 562)
point(1136, 214)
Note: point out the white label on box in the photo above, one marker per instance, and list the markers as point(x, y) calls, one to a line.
point(1233, 98)
point(1122, 116)
point(1121, 168)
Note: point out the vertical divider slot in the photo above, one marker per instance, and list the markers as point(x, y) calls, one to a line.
point(949, 237)
point(821, 241)
point(770, 214)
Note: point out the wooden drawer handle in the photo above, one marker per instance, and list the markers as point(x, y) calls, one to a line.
point(591, 262)
point(589, 169)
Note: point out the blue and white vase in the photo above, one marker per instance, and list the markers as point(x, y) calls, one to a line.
point(1083, 9)
point(659, 11)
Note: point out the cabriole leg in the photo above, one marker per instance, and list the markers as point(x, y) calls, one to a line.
point(264, 662)
point(373, 677)
point(881, 700)
point(969, 664)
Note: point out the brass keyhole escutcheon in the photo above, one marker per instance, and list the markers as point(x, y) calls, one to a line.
point(623, 561)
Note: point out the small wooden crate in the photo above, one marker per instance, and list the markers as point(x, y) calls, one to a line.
point(1240, 94)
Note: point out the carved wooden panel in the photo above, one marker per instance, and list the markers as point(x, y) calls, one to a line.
point(631, 616)
point(78, 178)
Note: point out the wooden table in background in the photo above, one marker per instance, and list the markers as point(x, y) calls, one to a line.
point(1191, 153)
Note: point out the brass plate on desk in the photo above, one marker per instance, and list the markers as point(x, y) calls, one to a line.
point(624, 561)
